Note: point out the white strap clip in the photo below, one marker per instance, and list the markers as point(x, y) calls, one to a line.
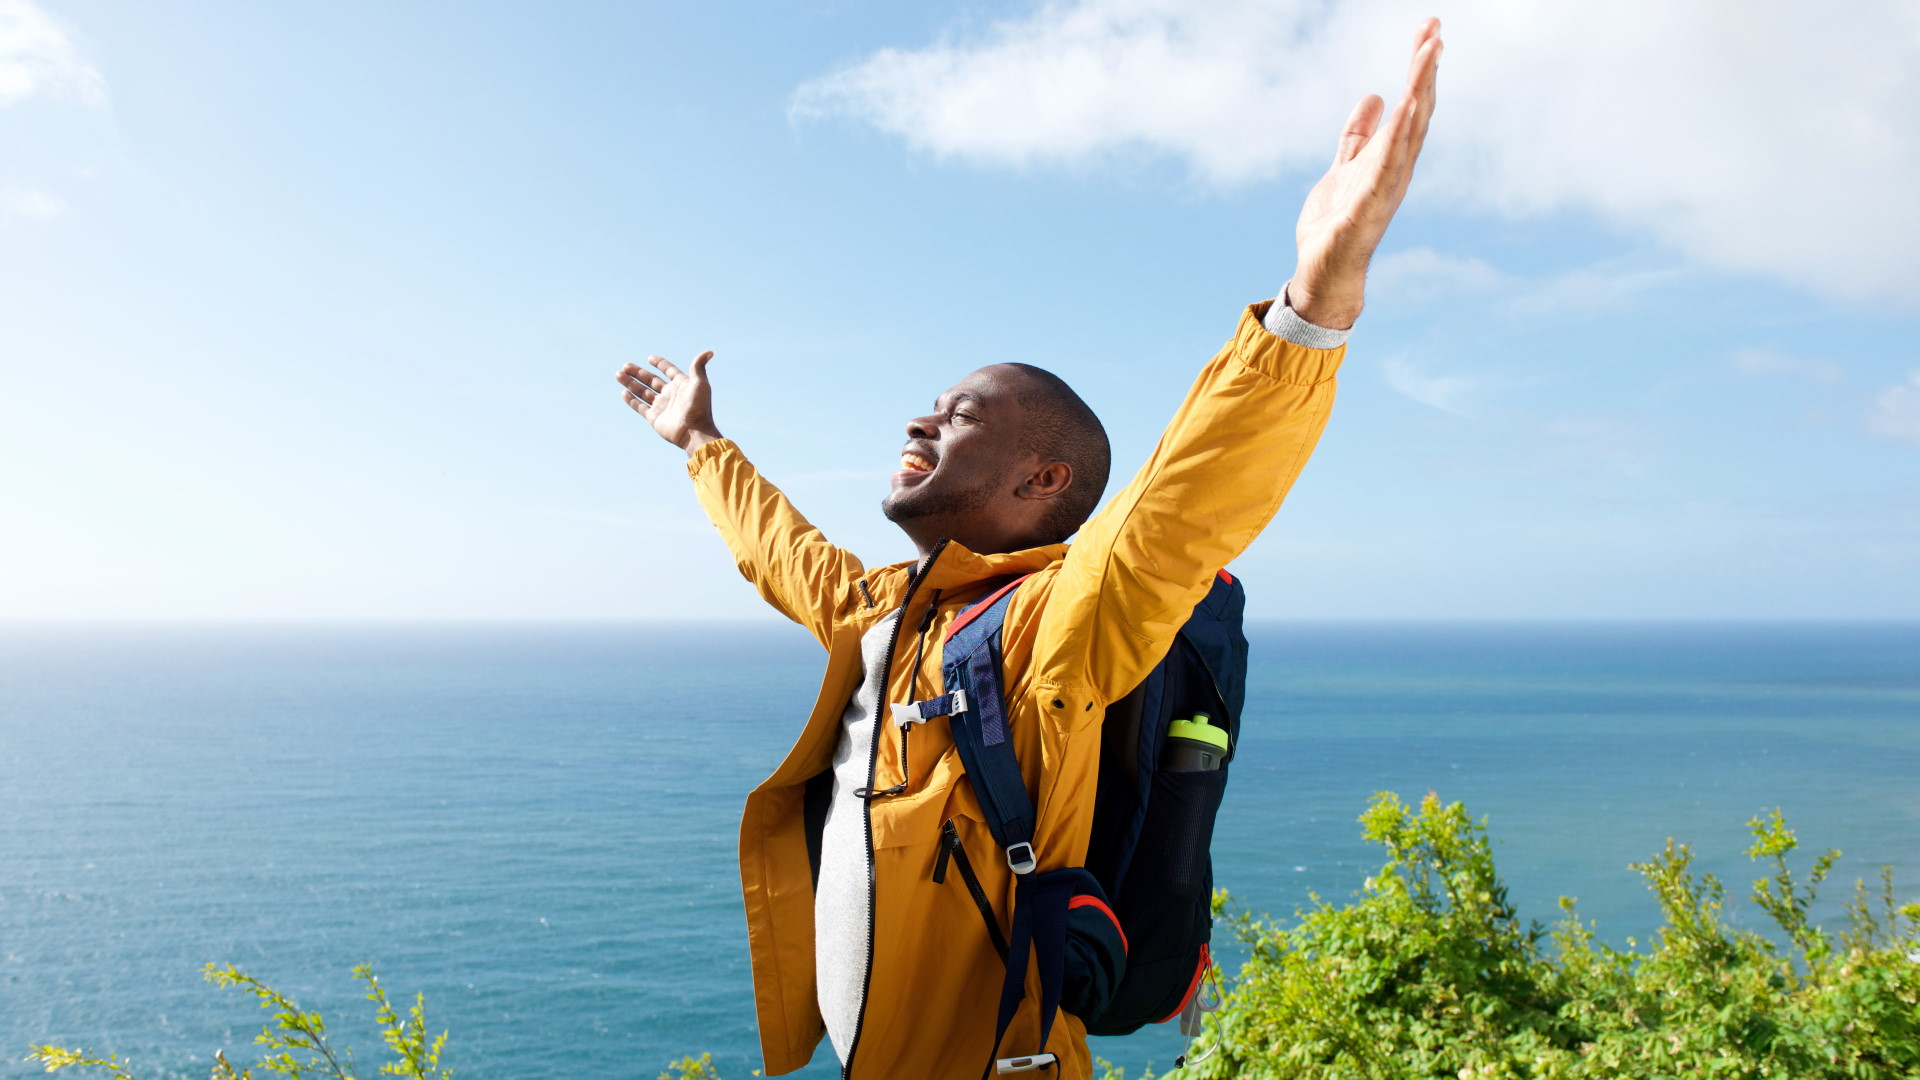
point(911, 713)
point(1030, 1063)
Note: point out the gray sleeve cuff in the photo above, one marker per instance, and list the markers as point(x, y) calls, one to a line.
point(1283, 322)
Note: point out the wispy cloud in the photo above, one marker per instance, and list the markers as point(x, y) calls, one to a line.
point(1740, 132)
point(1448, 393)
point(38, 59)
point(1602, 287)
point(28, 203)
point(1418, 275)
point(1895, 413)
point(1768, 362)
point(1422, 275)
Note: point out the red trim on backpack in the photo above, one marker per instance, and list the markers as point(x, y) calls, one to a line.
point(1083, 900)
point(1226, 577)
point(1194, 986)
point(976, 610)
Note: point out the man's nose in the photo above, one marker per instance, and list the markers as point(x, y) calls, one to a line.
point(922, 427)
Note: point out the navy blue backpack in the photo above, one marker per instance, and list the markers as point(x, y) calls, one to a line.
point(1123, 940)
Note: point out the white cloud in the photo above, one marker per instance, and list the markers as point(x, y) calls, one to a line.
point(1754, 135)
point(1768, 362)
point(37, 58)
point(1422, 275)
point(1896, 411)
point(1418, 275)
point(1593, 288)
point(1444, 392)
point(28, 203)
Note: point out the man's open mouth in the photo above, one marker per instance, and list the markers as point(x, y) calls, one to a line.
point(915, 462)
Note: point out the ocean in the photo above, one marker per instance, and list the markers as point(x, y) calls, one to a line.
point(534, 825)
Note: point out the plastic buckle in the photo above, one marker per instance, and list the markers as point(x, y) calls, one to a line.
point(916, 712)
point(1022, 864)
point(1030, 1063)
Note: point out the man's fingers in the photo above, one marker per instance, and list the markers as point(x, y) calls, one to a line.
point(1393, 157)
point(636, 404)
point(1425, 92)
point(641, 380)
point(666, 367)
point(1428, 31)
point(1361, 123)
point(700, 364)
point(1410, 120)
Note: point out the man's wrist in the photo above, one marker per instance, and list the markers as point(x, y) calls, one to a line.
point(698, 439)
point(1333, 310)
point(1285, 321)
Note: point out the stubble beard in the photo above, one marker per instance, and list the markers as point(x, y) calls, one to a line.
point(916, 505)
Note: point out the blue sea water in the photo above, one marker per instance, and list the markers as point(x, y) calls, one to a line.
point(534, 825)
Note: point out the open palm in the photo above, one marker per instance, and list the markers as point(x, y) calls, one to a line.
point(679, 404)
point(1348, 211)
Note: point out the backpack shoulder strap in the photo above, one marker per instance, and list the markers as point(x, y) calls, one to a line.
point(970, 663)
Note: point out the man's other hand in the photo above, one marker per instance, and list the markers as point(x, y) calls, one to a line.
point(1347, 212)
point(679, 404)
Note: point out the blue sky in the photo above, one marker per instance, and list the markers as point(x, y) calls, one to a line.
point(311, 311)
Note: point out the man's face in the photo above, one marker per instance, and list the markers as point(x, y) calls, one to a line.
point(962, 459)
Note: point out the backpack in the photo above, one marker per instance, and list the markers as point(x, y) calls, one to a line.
point(1122, 941)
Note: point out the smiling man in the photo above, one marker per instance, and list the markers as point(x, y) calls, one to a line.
point(855, 932)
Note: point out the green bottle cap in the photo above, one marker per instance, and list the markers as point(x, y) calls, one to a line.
point(1198, 730)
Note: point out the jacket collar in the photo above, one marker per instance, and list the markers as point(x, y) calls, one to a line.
point(956, 567)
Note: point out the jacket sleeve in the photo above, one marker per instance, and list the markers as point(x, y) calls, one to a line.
point(796, 570)
point(1136, 570)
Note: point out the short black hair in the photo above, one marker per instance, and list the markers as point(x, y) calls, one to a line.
point(1060, 427)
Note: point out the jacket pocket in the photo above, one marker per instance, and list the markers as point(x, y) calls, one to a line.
point(915, 817)
point(953, 856)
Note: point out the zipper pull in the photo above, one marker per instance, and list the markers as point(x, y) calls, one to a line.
point(948, 837)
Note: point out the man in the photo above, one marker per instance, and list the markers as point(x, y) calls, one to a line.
point(855, 928)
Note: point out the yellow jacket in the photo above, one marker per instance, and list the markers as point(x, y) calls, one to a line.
point(1089, 624)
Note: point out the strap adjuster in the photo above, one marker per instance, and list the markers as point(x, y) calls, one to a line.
point(950, 703)
point(1029, 1063)
point(1021, 860)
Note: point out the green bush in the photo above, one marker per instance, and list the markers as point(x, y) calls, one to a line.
point(1430, 973)
point(295, 1031)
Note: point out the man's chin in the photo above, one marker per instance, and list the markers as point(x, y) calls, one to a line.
point(923, 500)
point(898, 506)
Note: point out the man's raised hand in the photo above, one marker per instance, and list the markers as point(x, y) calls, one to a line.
point(1347, 212)
point(679, 404)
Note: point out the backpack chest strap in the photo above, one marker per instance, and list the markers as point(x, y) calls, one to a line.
point(919, 712)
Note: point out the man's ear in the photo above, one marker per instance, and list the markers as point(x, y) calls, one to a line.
point(1049, 479)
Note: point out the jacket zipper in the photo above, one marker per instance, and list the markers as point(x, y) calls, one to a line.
point(873, 766)
point(950, 846)
point(913, 690)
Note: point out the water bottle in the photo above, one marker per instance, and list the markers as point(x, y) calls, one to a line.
point(1194, 745)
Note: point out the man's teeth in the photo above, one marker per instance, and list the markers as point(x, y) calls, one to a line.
point(916, 463)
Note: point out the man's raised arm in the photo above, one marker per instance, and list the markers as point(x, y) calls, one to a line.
point(1248, 424)
point(796, 570)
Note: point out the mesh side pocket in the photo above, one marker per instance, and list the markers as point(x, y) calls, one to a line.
point(1171, 864)
point(1166, 904)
